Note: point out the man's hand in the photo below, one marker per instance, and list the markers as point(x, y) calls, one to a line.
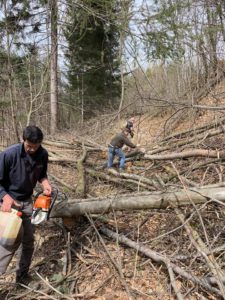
point(47, 189)
point(7, 203)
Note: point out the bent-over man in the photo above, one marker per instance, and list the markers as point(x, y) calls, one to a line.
point(115, 148)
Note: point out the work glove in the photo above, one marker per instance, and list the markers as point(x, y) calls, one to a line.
point(47, 189)
point(7, 202)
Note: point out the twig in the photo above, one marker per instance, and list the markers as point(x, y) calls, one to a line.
point(173, 281)
point(159, 258)
point(52, 288)
point(30, 290)
point(68, 253)
point(200, 245)
point(117, 267)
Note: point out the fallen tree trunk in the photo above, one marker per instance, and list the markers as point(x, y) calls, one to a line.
point(128, 183)
point(193, 131)
point(188, 153)
point(64, 145)
point(139, 179)
point(67, 145)
point(156, 200)
point(178, 144)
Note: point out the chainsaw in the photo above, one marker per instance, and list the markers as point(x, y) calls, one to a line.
point(42, 207)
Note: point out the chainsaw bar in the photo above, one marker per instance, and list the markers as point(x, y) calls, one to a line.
point(38, 217)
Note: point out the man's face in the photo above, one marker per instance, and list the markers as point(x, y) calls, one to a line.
point(31, 148)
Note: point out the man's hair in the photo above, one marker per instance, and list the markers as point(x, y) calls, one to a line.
point(33, 134)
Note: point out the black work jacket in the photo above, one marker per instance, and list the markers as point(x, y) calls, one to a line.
point(19, 171)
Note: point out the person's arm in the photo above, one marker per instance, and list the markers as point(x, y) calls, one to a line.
point(3, 171)
point(128, 142)
point(7, 200)
point(46, 186)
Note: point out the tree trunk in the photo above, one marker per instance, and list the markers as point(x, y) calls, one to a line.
point(81, 179)
point(121, 74)
point(212, 35)
point(53, 67)
point(201, 50)
point(10, 77)
point(156, 200)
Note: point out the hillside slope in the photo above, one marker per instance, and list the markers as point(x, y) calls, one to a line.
point(75, 260)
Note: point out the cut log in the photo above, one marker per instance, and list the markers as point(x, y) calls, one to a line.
point(156, 200)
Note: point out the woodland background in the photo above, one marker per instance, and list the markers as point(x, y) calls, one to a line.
point(64, 62)
point(79, 70)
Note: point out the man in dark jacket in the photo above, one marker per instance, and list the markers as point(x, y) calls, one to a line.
point(21, 167)
point(115, 148)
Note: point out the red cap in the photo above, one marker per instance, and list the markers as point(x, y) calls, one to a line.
point(19, 213)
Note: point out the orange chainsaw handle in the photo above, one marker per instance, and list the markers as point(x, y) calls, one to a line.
point(45, 202)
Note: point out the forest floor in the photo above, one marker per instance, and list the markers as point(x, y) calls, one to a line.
point(76, 261)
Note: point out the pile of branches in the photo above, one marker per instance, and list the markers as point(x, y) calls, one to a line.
point(182, 169)
point(165, 223)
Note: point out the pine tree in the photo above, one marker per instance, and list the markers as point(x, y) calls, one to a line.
point(92, 56)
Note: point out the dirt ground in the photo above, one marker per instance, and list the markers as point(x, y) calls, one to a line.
point(73, 260)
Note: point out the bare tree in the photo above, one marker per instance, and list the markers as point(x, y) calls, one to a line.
point(53, 66)
point(10, 75)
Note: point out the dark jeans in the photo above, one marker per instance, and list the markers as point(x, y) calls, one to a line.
point(24, 244)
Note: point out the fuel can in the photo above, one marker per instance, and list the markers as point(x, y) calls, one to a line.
point(10, 224)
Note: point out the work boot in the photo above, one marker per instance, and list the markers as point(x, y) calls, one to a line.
point(27, 280)
point(24, 279)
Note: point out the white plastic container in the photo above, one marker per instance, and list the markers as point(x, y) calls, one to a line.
point(10, 223)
